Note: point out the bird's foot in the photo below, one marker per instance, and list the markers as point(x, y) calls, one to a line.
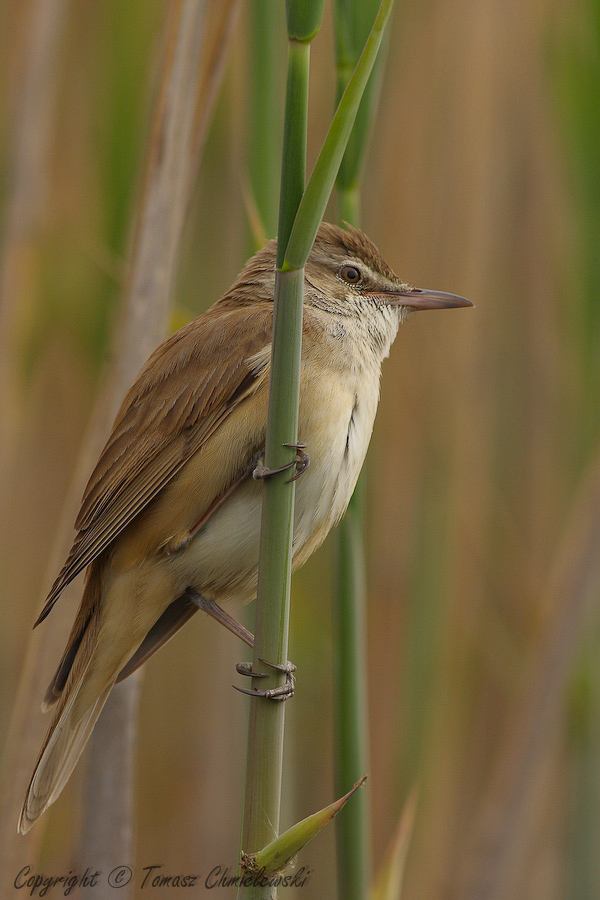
point(301, 464)
point(282, 692)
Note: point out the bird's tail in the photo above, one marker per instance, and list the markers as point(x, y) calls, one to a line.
point(80, 699)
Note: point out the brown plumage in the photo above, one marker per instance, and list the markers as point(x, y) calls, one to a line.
point(171, 503)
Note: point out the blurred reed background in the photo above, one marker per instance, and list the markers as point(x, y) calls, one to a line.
point(481, 179)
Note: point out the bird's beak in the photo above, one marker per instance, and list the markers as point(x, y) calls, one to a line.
point(422, 299)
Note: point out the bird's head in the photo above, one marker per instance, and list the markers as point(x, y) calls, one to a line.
point(346, 274)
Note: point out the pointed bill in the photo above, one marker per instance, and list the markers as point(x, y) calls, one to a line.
point(422, 299)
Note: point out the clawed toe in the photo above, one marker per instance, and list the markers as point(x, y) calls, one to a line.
point(301, 464)
point(282, 692)
point(245, 668)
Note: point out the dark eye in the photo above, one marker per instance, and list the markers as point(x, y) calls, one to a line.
point(350, 274)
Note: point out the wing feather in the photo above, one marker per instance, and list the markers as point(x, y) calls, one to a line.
point(188, 387)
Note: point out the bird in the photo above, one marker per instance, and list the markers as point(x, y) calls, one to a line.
point(171, 512)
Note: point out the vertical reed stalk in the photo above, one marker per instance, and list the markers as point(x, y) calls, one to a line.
point(353, 829)
point(264, 138)
point(353, 20)
point(266, 726)
point(26, 180)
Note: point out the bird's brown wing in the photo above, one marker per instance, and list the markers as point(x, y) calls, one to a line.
point(190, 384)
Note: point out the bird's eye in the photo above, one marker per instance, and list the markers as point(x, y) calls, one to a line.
point(350, 274)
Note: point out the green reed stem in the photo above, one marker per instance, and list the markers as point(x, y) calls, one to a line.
point(266, 726)
point(353, 19)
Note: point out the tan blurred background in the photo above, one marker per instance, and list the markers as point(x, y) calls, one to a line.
point(482, 179)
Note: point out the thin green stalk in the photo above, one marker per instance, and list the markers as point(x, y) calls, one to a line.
point(293, 165)
point(265, 738)
point(264, 133)
point(353, 19)
point(348, 199)
point(351, 735)
point(353, 831)
point(319, 187)
point(266, 726)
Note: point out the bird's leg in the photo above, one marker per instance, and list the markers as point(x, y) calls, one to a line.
point(283, 692)
point(301, 464)
point(219, 615)
point(244, 668)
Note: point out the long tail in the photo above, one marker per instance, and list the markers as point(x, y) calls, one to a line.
point(77, 710)
point(110, 638)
